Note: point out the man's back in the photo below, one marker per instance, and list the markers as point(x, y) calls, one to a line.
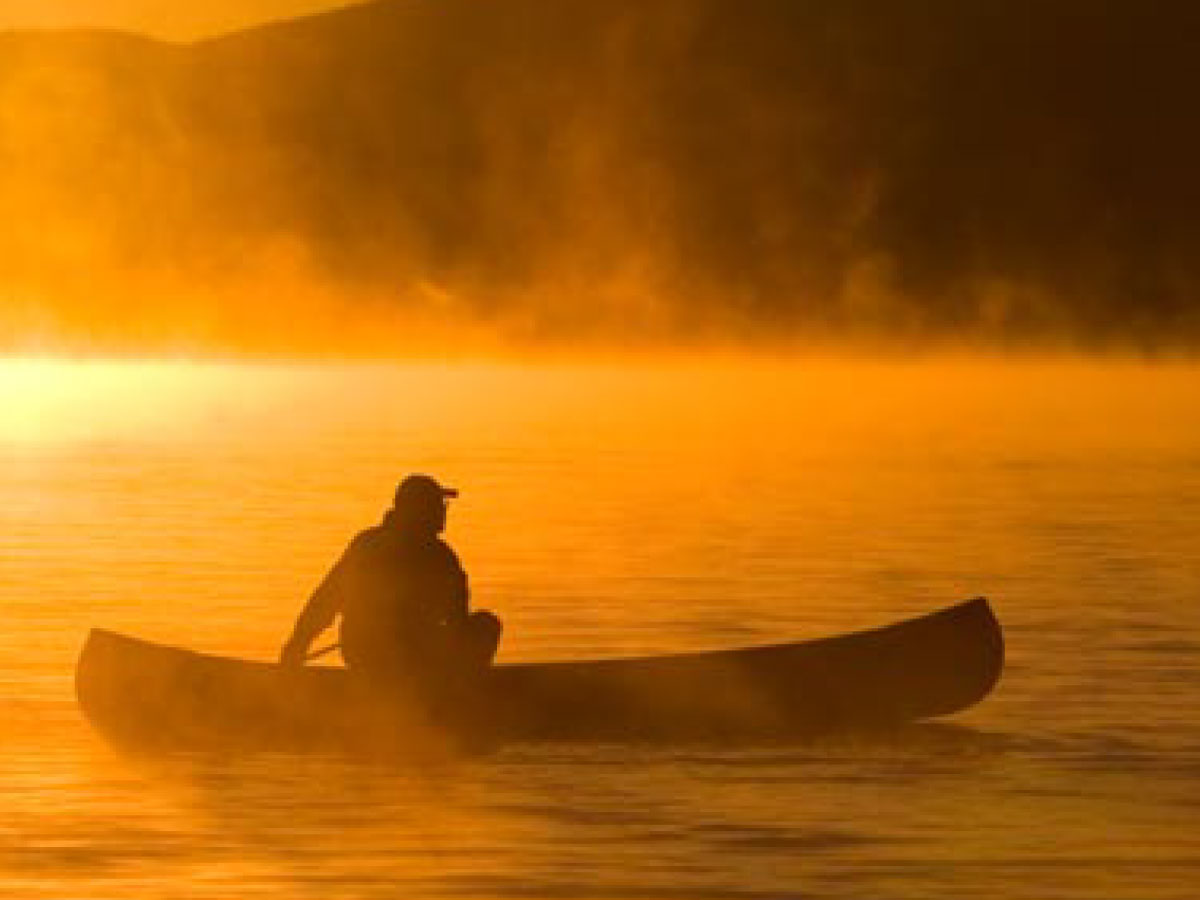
point(396, 591)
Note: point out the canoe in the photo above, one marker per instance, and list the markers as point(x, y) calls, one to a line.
point(155, 696)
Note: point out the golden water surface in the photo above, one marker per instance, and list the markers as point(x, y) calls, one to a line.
point(610, 508)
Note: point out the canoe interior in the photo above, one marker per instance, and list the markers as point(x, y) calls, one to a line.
point(152, 695)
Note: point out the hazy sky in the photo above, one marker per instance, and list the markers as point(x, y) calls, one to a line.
point(174, 19)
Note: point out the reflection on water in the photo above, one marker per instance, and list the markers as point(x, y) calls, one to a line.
point(698, 505)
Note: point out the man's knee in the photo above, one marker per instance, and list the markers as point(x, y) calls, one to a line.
point(485, 625)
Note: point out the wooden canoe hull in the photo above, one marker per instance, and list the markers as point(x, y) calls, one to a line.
point(157, 696)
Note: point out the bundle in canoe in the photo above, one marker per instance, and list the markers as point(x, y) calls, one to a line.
point(151, 695)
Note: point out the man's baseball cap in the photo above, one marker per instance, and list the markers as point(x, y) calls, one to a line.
point(422, 489)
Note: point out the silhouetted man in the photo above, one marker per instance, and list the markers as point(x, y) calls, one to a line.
point(402, 595)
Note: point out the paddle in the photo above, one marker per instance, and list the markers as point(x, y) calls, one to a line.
point(317, 654)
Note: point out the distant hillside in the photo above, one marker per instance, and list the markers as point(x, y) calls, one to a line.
point(1004, 168)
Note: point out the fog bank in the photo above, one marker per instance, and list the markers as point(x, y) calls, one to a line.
point(608, 170)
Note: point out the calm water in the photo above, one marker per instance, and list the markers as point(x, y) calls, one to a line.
point(611, 509)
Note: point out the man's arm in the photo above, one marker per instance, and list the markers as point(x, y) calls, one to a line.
point(460, 598)
point(318, 613)
point(457, 591)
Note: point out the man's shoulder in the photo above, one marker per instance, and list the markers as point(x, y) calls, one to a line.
point(445, 552)
point(368, 537)
point(380, 538)
point(434, 555)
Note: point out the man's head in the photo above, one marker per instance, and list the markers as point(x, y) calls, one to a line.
point(421, 503)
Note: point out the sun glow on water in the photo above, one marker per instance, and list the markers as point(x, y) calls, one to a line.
point(47, 401)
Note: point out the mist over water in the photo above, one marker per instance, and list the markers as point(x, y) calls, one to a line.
point(390, 175)
point(461, 179)
point(468, 181)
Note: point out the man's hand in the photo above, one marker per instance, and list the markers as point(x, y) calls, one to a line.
point(293, 654)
